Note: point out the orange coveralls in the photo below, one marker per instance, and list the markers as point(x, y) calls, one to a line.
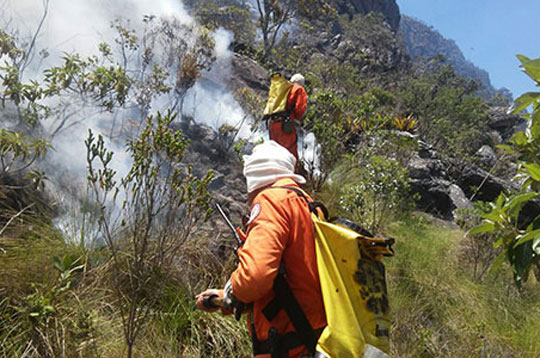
point(297, 101)
point(280, 228)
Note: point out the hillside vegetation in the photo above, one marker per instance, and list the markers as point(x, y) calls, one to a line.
point(395, 137)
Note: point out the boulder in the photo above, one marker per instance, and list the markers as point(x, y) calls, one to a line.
point(438, 196)
point(502, 122)
point(424, 168)
point(248, 73)
point(487, 156)
point(482, 185)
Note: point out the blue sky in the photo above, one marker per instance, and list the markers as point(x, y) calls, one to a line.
point(489, 33)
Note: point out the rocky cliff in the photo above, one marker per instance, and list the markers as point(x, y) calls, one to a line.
point(423, 41)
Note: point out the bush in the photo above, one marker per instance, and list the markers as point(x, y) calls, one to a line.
point(370, 191)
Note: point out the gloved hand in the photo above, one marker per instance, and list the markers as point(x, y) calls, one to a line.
point(203, 298)
point(231, 303)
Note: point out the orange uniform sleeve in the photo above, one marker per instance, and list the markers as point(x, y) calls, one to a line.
point(297, 98)
point(260, 256)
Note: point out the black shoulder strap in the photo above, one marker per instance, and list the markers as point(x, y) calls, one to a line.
point(286, 299)
point(313, 205)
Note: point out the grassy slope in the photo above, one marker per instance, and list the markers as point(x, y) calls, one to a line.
point(84, 321)
point(440, 311)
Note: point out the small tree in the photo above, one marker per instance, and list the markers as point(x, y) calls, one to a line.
point(517, 234)
point(161, 205)
point(273, 15)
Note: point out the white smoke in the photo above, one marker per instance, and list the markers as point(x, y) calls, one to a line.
point(210, 99)
point(77, 26)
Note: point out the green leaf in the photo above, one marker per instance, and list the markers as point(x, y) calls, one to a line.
point(482, 228)
point(498, 243)
point(523, 59)
point(530, 67)
point(517, 202)
point(48, 309)
point(519, 139)
point(536, 245)
point(493, 216)
point(524, 101)
point(532, 235)
point(508, 149)
point(533, 170)
point(521, 257)
point(535, 125)
point(501, 199)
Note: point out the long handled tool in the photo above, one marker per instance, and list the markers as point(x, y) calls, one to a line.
point(214, 301)
point(231, 226)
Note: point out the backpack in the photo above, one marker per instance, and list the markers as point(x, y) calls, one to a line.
point(353, 286)
point(277, 97)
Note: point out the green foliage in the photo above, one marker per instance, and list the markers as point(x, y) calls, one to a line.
point(451, 115)
point(17, 147)
point(478, 250)
point(18, 153)
point(520, 241)
point(9, 47)
point(33, 317)
point(368, 30)
point(162, 203)
point(233, 17)
point(371, 190)
point(340, 122)
point(108, 85)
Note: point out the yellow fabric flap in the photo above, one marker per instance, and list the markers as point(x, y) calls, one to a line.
point(354, 292)
point(277, 97)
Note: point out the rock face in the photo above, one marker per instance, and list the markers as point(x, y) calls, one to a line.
point(248, 73)
point(424, 41)
point(489, 186)
point(505, 124)
point(209, 151)
point(487, 156)
point(369, 46)
point(388, 8)
point(437, 194)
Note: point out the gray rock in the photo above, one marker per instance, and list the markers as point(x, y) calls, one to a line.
point(218, 182)
point(459, 200)
point(434, 196)
point(502, 122)
point(426, 151)
point(248, 73)
point(483, 186)
point(425, 168)
point(487, 155)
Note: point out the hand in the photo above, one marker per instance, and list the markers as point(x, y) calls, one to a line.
point(199, 304)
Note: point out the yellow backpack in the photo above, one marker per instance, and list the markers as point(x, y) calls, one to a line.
point(354, 291)
point(353, 286)
point(277, 97)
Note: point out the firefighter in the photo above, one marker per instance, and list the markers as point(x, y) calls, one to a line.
point(279, 241)
point(282, 128)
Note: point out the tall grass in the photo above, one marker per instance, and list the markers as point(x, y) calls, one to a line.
point(40, 319)
point(440, 310)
